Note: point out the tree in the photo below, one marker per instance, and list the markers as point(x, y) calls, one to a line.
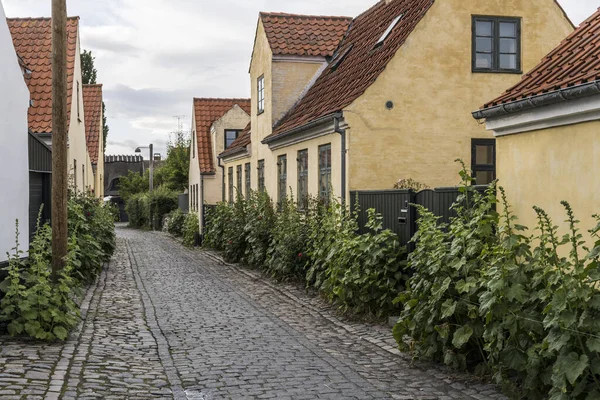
point(174, 173)
point(89, 74)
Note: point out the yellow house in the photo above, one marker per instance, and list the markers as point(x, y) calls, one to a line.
point(32, 38)
point(547, 129)
point(94, 127)
point(216, 124)
point(356, 104)
point(237, 161)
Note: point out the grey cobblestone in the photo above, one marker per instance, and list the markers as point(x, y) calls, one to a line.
point(167, 322)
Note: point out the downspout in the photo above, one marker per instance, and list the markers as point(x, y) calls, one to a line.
point(222, 179)
point(342, 132)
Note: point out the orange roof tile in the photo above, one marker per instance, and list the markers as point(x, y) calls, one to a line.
point(207, 111)
point(574, 62)
point(243, 140)
point(92, 108)
point(304, 35)
point(344, 81)
point(32, 38)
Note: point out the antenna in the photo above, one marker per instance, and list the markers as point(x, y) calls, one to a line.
point(179, 122)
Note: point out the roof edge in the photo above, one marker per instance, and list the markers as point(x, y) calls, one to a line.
point(280, 136)
point(290, 15)
point(541, 100)
point(233, 152)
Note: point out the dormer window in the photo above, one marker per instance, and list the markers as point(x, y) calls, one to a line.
point(230, 136)
point(260, 86)
point(389, 30)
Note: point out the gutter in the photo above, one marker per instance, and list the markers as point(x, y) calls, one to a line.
point(222, 178)
point(342, 132)
point(542, 100)
point(312, 124)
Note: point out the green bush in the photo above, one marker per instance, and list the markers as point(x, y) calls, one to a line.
point(144, 208)
point(176, 221)
point(35, 305)
point(361, 274)
point(191, 228)
point(287, 251)
point(485, 296)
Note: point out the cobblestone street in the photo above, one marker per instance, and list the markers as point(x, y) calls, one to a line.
point(167, 322)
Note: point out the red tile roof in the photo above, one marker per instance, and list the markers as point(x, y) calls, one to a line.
point(304, 35)
point(243, 140)
point(32, 38)
point(92, 109)
point(574, 62)
point(342, 83)
point(207, 111)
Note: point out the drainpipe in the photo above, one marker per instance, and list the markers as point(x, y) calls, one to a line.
point(342, 132)
point(222, 179)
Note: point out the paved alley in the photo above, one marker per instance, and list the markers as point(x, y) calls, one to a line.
point(166, 322)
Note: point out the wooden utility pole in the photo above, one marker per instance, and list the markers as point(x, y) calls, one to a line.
point(59, 136)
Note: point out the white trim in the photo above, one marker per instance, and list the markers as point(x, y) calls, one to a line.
point(325, 129)
point(299, 59)
point(567, 113)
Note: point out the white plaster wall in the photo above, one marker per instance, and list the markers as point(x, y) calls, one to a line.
point(14, 165)
point(77, 141)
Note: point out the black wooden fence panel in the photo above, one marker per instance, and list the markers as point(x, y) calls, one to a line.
point(397, 211)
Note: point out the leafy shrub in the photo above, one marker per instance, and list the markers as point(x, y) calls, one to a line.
point(217, 221)
point(260, 219)
point(191, 228)
point(485, 296)
point(144, 208)
point(176, 221)
point(137, 209)
point(410, 184)
point(287, 250)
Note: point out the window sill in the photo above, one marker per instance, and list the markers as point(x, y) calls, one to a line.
point(497, 71)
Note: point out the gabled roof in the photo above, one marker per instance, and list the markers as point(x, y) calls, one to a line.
point(92, 109)
point(343, 82)
point(32, 38)
point(576, 61)
point(304, 35)
point(206, 112)
point(239, 144)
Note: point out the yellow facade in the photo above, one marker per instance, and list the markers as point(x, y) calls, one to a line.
point(542, 168)
point(434, 90)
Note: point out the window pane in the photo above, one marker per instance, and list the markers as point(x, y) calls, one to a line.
point(484, 177)
point(483, 28)
point(506, 45)
point(508, 29)
point(508, 61)
point(484, 44)
point(483, 60)
point(484, 155)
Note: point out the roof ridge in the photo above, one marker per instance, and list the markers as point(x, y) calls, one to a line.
point(221, 99)
point(92, 84)
point(284, 14)
point(39, 18)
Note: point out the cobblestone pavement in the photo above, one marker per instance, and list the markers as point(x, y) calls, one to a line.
point(168, 322)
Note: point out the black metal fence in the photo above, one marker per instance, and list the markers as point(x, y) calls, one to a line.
point(397, 211)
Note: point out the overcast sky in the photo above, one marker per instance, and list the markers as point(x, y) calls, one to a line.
point(154, 56)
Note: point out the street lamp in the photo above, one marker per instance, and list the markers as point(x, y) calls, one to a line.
point(151, 148)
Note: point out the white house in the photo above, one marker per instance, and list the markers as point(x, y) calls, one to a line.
point(14, 168)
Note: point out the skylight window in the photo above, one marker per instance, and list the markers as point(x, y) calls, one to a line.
point(340, 58)
point(389, 30)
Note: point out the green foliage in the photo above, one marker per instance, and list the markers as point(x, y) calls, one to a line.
point(143, 208)
point(191, 228)
point(289, 242)
point(361, 274)
point(486, 296)
point(133, 183)
point(176, 221)
point(410, 184)
point(174, 173)
point(89, 73)
point(260, 219)
point(35, 306)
